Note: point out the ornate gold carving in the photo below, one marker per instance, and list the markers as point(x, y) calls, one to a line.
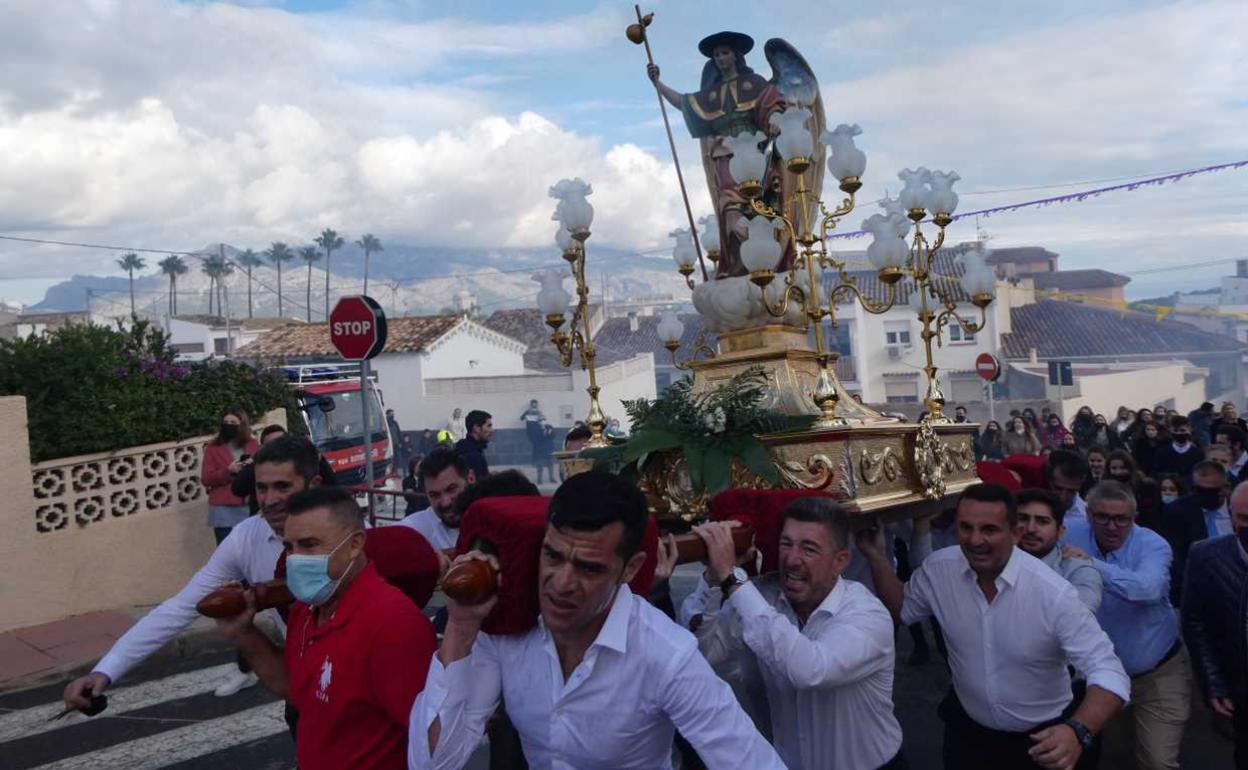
point(816, 473)
point(882, 464)
point(929, 460)
point(959, 457)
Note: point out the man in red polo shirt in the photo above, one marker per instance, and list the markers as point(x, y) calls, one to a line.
point(357, 650)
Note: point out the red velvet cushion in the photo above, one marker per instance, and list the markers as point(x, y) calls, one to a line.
point(515, 527)
point(402, 557)
point(764, 509)
point(996, 473)
point(1030, 468)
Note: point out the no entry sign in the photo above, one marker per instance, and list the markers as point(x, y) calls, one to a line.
point(357, 328)
point(987, 366)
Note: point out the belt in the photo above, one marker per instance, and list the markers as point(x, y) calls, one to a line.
point(1174, 650)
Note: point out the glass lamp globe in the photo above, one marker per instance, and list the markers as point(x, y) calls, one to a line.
point(794, 140)
point(670, 329)
point(553, 299)
point(942, 199)
point(564, 240)
point(574, 211)
point(710, 233)
point(846, 160)
point(684, 255)
point(913, 195)
point(760, 251)
point(748, 163)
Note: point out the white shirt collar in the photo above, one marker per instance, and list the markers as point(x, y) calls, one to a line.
point(614, 631)
point(1009, 573)
point(830, 605)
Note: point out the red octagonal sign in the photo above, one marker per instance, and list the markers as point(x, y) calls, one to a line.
point(987, 366)
point(357, 328)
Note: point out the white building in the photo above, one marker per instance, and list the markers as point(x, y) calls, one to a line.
point(197, 337)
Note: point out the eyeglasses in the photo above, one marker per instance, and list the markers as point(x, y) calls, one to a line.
point(1105, 520)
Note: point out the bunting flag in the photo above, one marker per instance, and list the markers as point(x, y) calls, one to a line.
point(1079, 197)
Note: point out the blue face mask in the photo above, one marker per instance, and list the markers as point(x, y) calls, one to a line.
point(307, 576)
point(1167, 499)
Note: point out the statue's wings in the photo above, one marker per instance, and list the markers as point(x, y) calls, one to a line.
point(791, 74)
point(798, 86)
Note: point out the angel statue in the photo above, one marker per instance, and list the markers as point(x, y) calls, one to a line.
point(733, 106)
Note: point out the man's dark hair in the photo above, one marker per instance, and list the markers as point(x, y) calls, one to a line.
point(509, 483)
point(1206, 406)
point(1232, 432)
point(269, 430)
point(1179, 421)
point(1067, 462)
point(476, 418)
point(579, 433)
point(819, 510)
point(1044, 497)
point(1208, 466)
point(439, 460)
point(340, 502)
point(589, 501)
point(992, 493)
point(291, 449)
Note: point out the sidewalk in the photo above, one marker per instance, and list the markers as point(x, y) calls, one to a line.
point(58, 649)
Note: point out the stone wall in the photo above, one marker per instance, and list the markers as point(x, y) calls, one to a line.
point(99, 531)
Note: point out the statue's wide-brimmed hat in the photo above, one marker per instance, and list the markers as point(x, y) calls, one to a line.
point(737, 41)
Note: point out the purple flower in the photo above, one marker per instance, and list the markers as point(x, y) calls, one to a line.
point(122, 372)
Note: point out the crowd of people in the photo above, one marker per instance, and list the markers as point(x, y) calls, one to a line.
point(1075, 610)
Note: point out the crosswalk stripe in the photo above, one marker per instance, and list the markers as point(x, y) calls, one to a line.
point(184, 743)
point(34, 720)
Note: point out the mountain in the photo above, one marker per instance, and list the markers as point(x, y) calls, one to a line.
point(406, 280)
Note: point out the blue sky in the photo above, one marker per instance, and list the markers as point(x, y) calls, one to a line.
point(153, 122)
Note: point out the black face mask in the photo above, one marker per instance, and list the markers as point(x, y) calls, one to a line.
point(1181, 438)
point(1243, 538)
point(229, 432)
point(1209, 497)
point(1125, 478)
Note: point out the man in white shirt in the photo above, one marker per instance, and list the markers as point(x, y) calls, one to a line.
point(824, 644)
point(445, 475)
point(603, 680)
point(1012, 625)
point(283, 466)
point(1065, 473)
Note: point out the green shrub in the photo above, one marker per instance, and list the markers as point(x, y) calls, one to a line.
point(95, 389)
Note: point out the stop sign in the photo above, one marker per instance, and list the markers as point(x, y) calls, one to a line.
point(987, 366)
point(357, 328)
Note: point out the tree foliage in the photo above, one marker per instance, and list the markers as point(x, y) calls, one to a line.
point(92, 389)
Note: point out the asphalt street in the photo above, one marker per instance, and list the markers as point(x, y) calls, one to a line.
point(165, 716)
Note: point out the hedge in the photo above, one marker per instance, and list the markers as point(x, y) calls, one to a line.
point(92, 388)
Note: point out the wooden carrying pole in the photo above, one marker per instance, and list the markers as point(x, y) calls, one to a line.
point(642, 23)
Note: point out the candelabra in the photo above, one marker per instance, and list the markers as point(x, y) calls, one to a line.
point(574, 215)
point(814, 279)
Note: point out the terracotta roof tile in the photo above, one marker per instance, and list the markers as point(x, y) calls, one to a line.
point(1058, 329)
point(407, 334)
point(1073, 280)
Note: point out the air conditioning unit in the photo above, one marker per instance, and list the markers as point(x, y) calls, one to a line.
point(894, 350)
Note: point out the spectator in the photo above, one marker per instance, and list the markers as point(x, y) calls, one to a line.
point(479, 427)
point(1144, 449)
point(428, 440)
point(959, 414)
point(1122, 423)
point(1012, 625)
point(1202, 423)
point(1040, 529)
point(1029, 415)
point(1229, 416)
point(454, 423)
point(1237, 441)
point(1181, 454)
point(1171, 488)
point(1135, 611)
point(445, 439)
point(1070, 442)
point(1143, 417)
point(533, 420)
point(398, 441)
point(224, 458)
point(414, 487)
point(545, 457)
point(1102, 435)
point(1148, 503)
point(1020, 440)
point(444, 473)
point(1083, 426)
point(1053, 432)
point(991, 446)
point(1215, 621)
point(1220, 454)
point(1096, 458)
point(1195, 517)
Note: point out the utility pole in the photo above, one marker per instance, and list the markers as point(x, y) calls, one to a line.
point(225, 300)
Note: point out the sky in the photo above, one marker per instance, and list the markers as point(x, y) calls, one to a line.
point(171, 125)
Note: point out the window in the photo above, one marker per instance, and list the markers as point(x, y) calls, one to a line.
point(219, 345)
point(959, 335)
point(901, 392)
point(964, 389)
point(897, 332)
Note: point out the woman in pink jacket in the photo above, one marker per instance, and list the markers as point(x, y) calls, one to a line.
point(224, 457)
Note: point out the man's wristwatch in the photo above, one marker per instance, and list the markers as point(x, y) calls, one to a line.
point(735, 579)
point(1085, 736)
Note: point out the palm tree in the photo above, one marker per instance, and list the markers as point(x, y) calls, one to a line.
point(216, 268)
point(370, 243)
point(248, 260)
point(329, 240)
point(278, 253)
point(173, 266)
point(131, 262)
point(309, 254)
